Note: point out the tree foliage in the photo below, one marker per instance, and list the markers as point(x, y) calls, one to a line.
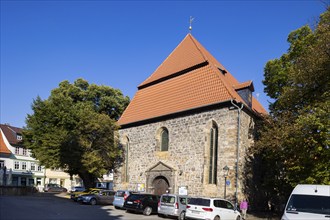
point(75, 129)
point(294, 142)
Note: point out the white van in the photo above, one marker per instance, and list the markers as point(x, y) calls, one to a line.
point(308, 202)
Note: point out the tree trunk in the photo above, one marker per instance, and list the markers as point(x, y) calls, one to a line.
point(88, 179)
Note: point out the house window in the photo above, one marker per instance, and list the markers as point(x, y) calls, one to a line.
point(16, 165)
point(19, 137)
point(24, 151)
point(213, 154)
point(2, 163)
point(39, 168)
point(33, 166)
point(38, 181)
point(164, 140)
point(23, 165)
point(17, 150)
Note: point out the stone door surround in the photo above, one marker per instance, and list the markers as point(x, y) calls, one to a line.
point(160, 170)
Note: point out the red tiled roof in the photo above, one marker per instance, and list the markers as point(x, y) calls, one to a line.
point(185, 55)
point(3, 147)
point(257, 107)
point(245, 85)
point(189, 78)
point(10, 133)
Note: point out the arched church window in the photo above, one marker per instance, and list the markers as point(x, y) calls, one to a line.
point(126, 161)
point(213, 154)
point(164, 140)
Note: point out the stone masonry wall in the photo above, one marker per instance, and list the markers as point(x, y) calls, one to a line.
point(187, 154)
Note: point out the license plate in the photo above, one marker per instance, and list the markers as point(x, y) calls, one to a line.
point(195, 212)
point(129, 202)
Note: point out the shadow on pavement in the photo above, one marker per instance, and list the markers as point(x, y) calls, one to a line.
point(51, 206)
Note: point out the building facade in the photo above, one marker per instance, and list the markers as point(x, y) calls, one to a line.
point(188, 122)
point(19, 168)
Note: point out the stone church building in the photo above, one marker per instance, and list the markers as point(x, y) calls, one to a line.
point(187, 122)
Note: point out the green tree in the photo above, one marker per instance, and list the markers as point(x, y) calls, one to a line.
point(75, 129)
point(294, 141)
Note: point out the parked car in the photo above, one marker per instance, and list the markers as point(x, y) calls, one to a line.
point(308, 202)
point(53, 187)
point(144, 203)
point(102, 197)
point(211, 208)
point(120, 197)
point(77, 189)
point(172, 205)
point(74, 196)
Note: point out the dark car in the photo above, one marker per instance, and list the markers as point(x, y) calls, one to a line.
point(144, 203)
point(103, 197)
point(53, 187)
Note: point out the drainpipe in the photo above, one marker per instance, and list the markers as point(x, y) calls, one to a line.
point(239, 109)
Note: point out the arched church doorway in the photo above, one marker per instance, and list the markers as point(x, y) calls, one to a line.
point(160, 185)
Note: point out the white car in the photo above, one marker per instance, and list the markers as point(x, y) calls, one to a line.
point(211, 209)
point(308, 202)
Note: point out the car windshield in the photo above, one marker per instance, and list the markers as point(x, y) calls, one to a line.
point(309, 203)
point(120, 193)
point(168, 199)
point(199, 201)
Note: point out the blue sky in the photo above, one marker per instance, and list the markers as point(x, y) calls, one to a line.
point(121, 43)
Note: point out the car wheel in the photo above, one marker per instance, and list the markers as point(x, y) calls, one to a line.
point(147, 211)
point(182, 216)
point(93, 202)
point(116, 207)
point(216, 218)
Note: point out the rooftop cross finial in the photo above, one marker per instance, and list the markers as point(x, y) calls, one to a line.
point(190, 21)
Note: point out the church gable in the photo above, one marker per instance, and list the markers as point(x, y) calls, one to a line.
point(190, 78)
point(160, 167)
point(185, 56)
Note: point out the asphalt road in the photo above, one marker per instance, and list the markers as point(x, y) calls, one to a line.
point(46, 206)
point(51, 206)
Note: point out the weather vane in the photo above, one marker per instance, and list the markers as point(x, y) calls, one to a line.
point(190, 21)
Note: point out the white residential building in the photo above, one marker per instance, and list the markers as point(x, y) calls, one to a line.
point(16, 162)
point(23, 170)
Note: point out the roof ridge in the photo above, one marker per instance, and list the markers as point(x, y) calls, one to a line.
point(229, 88)
point(171, 65)
point(199, 49)
point(150, 76)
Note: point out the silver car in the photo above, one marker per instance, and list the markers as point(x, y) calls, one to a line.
point(172, 205)
point(120, 198)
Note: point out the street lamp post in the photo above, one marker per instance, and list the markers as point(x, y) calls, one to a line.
point(226, 170)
